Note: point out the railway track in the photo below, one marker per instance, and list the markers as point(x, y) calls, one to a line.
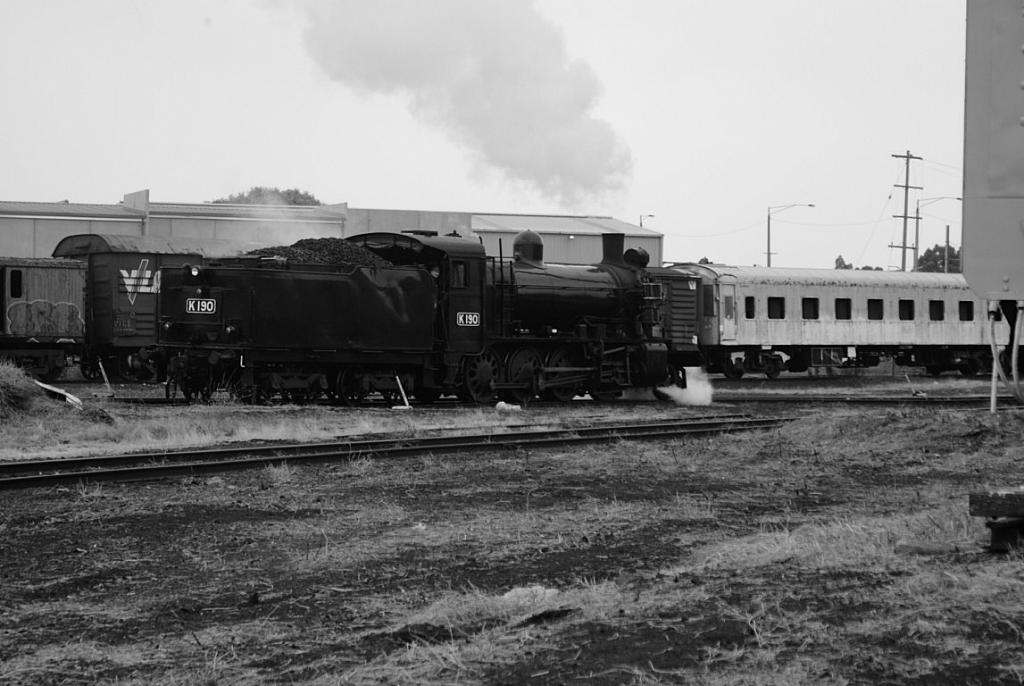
point(865, 399)
point(146, 466)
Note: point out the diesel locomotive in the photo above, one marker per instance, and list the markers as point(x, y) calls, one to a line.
point(430, 315)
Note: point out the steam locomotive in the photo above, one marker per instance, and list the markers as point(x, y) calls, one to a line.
point(429, 315)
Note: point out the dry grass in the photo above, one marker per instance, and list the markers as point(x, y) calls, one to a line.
point(835, 550)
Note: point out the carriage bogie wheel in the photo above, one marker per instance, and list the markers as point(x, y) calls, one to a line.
point(772, 367)
point(733, 369)
point(89, 369)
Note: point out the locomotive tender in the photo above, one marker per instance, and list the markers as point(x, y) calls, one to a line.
point(440, 318)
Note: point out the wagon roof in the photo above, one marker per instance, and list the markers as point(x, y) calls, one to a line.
point(48, 262)
point(829, 277)
point(92, 243)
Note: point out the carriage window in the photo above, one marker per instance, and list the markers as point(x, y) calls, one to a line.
point(776, 308)
point(810, 308)
point(876, 308)
point(727, 307)
point(844, 308)
point(906, 310)
point(709, 301)
point(967, 310)
point(937, 310)
point(15, 283)
point(750, 307)
point(460, 275)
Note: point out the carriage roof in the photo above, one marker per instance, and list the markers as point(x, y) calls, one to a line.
point(826, 277)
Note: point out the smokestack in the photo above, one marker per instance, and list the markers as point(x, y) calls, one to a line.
point(611, 244)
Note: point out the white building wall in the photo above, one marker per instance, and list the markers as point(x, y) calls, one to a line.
point(37, 237)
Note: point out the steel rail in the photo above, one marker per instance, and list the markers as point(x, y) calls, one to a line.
point(853, 399)
point(27, 474)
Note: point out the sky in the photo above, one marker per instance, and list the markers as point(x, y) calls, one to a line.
point(696, 115)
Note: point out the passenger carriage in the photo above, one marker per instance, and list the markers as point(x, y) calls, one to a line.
point(769, 319)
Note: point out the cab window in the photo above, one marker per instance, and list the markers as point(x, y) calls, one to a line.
point(460, 275)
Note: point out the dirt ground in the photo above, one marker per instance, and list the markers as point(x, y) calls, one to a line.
point(837, 549)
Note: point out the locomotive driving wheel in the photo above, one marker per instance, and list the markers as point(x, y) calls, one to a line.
point(559, 357)
point(522, 367)
point(479, 374)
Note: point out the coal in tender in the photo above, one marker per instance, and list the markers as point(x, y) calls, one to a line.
point(324, 251)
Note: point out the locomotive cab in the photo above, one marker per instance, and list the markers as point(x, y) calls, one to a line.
point(457, 266)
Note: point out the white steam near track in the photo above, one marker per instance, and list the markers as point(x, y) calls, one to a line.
point(493, 74)
point(698, 389)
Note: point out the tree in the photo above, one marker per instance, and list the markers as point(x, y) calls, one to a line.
point(704, 260)
point(934, 259)
point(265, 195)
point(843, 264)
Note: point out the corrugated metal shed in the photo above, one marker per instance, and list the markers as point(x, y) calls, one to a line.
point(570, 239)
point(283, 213)
point(564, 224)
point(88, 244)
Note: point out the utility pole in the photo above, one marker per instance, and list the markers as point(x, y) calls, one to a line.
point(945, 261)
point(906, 206)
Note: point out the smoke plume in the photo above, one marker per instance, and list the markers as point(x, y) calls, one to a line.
point(493, 74)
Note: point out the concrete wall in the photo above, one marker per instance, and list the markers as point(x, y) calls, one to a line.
point(367, 221)
point(37, 237)
point(262, 231)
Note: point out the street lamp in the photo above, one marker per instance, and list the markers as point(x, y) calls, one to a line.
point(644, 216)
point(775, 210)
point(921, 202)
